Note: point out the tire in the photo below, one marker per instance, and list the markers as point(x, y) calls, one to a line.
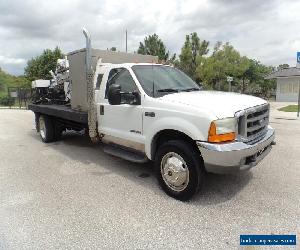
point(37, 117)
point(178, 159)
point(58, 134)
point(58, 131)
point(46, 129)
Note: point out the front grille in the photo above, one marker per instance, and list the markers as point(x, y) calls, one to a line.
point(253, 123)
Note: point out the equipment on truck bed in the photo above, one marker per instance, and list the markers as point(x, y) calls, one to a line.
point(57, 90)
point(70, 79)
point(40, 83)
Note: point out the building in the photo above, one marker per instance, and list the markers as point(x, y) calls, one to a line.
point(288, 80)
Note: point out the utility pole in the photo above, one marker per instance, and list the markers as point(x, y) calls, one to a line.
point(126, 40)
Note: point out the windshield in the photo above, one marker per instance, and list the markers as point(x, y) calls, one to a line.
point(158, 80)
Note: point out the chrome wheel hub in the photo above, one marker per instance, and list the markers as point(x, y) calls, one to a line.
point(42, 128)
point(174, 171)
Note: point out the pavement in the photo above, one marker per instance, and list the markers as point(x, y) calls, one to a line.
point(280, 114)
point(70, 195)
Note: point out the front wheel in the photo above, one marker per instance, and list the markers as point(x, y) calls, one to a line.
point(179, 169)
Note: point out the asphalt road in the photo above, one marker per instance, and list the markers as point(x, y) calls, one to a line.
point(70, 195)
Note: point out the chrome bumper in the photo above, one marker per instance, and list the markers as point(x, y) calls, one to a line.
point(234, 156)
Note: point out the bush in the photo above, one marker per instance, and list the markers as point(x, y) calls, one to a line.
point(7, 101)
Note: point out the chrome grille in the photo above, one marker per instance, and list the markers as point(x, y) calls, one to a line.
point(253, 123)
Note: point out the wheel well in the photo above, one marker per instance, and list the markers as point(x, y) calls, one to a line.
point(167, 135)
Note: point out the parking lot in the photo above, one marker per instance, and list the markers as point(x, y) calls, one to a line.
point(71, 195)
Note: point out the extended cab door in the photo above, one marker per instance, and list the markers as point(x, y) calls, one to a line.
point(121, 124)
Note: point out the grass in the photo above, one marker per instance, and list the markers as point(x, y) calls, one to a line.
point(289, 108)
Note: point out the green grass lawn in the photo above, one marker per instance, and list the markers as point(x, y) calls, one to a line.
point(289, 108)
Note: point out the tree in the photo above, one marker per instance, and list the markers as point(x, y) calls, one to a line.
point(192, 54)
point(253, 74)
point(113, 49)
point(283, 66)
point(224, 61)
point(39, 67)
point(186, 57)
point(248, 74)
point(173, 60)
point(245, 72)
point(265, 86)
point(154, 46)
point(7, 80)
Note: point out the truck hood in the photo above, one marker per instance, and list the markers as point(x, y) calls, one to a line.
point(222, 104)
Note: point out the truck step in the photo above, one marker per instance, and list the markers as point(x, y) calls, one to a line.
point(125, 154)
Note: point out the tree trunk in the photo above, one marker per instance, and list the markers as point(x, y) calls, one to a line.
point(243, 85)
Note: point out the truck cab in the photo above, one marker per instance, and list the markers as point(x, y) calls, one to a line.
point(158, 103)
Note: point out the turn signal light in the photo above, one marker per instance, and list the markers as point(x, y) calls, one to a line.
point(214, 137)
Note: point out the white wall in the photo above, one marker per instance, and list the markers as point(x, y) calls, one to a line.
point(287, 89)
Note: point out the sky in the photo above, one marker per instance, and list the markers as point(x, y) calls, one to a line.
point(263, 30)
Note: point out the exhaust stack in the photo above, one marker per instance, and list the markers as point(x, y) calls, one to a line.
point(92, 116)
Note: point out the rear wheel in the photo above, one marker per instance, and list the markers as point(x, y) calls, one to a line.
point(58, 131)
point(46, 129)
point(179, 169)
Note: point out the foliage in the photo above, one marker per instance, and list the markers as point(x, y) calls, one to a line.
point(212, 70)
point(192, 54)
point(224, 61)
point(39, 67)
point(289, 108)
point(7, 101)
point(248, 74)
point(173, 60)
point(283, 66)
point(113, 49)
point(153, 45)
point(7, 80)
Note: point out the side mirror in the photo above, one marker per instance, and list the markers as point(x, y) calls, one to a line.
point(114, 94)
point(137, 98)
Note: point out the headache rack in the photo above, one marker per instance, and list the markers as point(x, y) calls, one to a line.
point(253, 123)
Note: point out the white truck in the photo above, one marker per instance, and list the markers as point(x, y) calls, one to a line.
point(145, 111)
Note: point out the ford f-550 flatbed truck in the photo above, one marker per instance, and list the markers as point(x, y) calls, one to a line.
point(145, 111)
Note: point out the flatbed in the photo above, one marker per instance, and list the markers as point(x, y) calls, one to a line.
point(64, 112)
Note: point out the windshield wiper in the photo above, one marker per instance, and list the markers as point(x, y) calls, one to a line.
point(167, 90)
point(190, 89)
point(170, 90)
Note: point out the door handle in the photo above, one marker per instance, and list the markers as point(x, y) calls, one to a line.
point(150, 114)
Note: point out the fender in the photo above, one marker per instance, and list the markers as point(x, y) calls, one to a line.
point(174, 123)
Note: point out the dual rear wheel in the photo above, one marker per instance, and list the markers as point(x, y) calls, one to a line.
point(47, 128)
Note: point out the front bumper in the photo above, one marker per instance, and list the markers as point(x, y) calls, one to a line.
point(235, 156)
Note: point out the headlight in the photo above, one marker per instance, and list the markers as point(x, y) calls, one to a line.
point(222, 130)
